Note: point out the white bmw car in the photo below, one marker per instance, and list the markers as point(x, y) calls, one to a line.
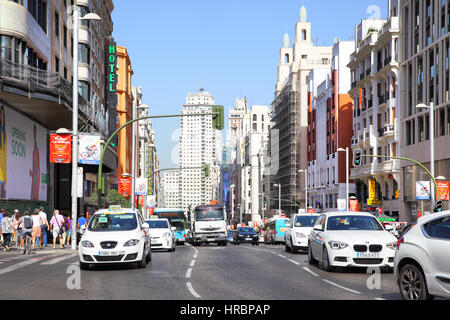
point(115, 235)
point(351, 239)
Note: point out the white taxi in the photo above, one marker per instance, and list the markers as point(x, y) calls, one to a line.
point(115, 235)
point(296, 235)
point(351, 239)
point(163, 236)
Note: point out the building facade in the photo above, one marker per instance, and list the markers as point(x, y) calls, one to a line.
point(170, 183)
point(376, 125)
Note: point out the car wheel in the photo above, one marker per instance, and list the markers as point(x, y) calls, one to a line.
point(311, 259)
point(412, 284)
point(149, 256)
point(293, 247)
point(143, 263)
point(326, 261)
point(286, 247)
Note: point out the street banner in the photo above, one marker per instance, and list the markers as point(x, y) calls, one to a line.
point(353, 205)
point(89, 149)
point(60, 148)
point(341, 205)
point(371, 189)
point(140, 187)
point(423, 190)
point(151, 201)
point(125, 185)
point(443, 187)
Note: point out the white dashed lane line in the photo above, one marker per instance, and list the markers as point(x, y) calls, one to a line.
point(294, 262)
point(188, 272)
point(192, 263)
point(191, 290)
point(341, 287)
point(311, 272)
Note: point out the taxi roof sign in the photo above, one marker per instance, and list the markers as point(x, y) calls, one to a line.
point(115, 208)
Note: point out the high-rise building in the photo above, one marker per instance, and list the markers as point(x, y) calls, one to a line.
point(376, 113)
point(290, 112)
point(170, 183)
point(199, 144)
point(424, 54)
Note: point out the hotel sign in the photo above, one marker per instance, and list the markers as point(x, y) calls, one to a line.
point(111, 72)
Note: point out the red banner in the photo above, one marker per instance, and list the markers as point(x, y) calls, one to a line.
point(125, 186)
point(354, 205)
point(443, 187)
point(60, 148)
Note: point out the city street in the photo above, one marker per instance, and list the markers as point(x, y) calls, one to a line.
point(243, 272)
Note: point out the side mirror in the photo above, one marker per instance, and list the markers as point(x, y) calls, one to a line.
point(318, 227)
point(173, 228)
point(389, 227)
point(145, 226)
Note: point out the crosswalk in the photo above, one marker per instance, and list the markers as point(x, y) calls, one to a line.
point(11, 263)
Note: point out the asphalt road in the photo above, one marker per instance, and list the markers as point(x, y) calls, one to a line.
point(242, 272)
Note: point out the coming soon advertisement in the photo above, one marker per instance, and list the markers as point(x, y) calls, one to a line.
point(23, 157)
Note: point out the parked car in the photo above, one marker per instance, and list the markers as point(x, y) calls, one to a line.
point(246, 235)
point(422, 265)
point(351, 239)
point(297, 232)
point(230, 235)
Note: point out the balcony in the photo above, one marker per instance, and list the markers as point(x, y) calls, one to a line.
point(386, 133)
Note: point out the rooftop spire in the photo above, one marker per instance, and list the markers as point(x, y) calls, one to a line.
point(303, 15)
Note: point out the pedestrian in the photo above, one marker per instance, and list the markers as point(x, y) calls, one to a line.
point(82, 221)
point(2, 211)
point(37, 223)
point(17, 228)
point(44, 227)
point(7, 230)
point(56, 227)
point(68, 227)
point(27, 226)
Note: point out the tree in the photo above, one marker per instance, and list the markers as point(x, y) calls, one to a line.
point(114, 198)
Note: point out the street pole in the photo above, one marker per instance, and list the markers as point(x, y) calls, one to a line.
point(279, 198)
point(75, 128)
point(432, 198)
point(133, 155)
point(347, 178)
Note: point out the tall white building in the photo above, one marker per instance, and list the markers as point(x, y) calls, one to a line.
point(171, 189)
point(199, 144)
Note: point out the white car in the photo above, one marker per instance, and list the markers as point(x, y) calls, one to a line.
point(422, 261)
point(297, 233)
point(351, 239)
point(115, 235)
point(163, 236)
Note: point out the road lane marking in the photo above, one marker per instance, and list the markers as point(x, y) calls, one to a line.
point(192, 263)
point(311, 272)
point(294, 262)
point(280, 255)
point(191, 290)
point(59, 259)
point(23, 264)
point(188, 272)
point(195, 255)
point(341, 287)
point(379, 299)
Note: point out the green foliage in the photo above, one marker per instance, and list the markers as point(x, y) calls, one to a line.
point(114, 198)
point(219, 119)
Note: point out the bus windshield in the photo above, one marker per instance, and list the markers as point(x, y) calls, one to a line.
point(208, 215)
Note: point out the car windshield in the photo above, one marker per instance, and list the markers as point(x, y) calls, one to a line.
point(246, 230)
point(353, 223)
point(113, 222)
point(305, 221)
point(179, 225)
point(157, 224)
point(208, 215)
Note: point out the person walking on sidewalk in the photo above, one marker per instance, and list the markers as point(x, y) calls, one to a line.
point(56, 227)
point(37, 223)
point(68, 227)
point(7, 230)
point(44, 227)
point(27, 227)
point(17, 228)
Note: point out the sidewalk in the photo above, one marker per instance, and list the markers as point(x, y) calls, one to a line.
point(37, 251)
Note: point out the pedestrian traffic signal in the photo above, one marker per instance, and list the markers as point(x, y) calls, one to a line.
point(205, 170)
point(219, 118)
point(357, 157)
point(438, 207)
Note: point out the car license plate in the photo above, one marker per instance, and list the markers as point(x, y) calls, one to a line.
point(367, 255)
point(248, 238)
point(211, 239)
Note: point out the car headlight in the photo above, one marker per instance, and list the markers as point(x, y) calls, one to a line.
point(131, 243)
point(392, 245)
point(335, 245)
point(166, 235)
point(87, 244)
point(300, 235)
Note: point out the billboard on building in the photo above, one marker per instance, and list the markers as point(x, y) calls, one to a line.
point(23, 157)
point(89, 149)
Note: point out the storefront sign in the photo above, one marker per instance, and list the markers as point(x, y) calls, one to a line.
point(423, 190)
point(150, 171)
point(23, 157)
point(371, 189)
point(111, 70)
point(60, 148)
point(443, 187)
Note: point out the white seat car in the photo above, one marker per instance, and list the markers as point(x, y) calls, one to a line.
point(163, 236)
point(422, 261)
point(115, 235)
point(297, 233)
point(351, 239)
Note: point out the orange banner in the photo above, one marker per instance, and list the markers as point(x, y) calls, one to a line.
point(443, 188)
point(60, 148)
point(125, 186)
point(353, 205)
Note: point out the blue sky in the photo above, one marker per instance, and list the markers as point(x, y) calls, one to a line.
point(230, 47)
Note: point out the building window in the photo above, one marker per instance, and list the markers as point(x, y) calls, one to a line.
point(56, 24)
point(65, 37)
point(83, 53)
point(84, 89)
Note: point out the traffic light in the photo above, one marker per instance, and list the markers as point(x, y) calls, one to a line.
point(205, 170)
point(357, 157)
point(438, 207)
point(218, 119)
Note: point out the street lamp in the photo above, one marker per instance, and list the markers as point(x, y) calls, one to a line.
point(279, 197)
point(347, 174)
point(306, 187)
point(76, 20)
point(431, 107)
